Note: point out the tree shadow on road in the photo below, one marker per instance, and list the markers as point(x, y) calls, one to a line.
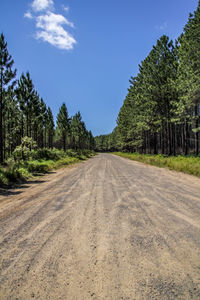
point(4, 192)
point(17, 188)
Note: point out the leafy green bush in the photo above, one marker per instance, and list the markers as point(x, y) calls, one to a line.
point(40, 166)
point(24, 173)
point(23, 151)
point(3, 177)
point(71, 153)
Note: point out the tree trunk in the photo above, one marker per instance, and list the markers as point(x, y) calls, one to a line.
point(45, 137)
point(1, 134)
point(197, 133)
point(169, 139)
point(64, 142)
point(163, 140)
point(1, 118)
point(183, 138)
point(174, 138)
point(4, 138)
point(186, 138)
point(27, 125)
point(22, 126)
point(155, 143)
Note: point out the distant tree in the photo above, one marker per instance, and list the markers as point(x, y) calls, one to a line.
point(11, 123)
point(50, 127)
point(91, 141)
point(63, 123)
point(26, 96)
point(43, 123)
point(79, 133)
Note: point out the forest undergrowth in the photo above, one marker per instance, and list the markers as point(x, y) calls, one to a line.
point(187, 164)
point(39, 162)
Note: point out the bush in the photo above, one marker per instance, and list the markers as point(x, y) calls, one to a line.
point(40, 166)
point(47, 154)
point(67, 161)
point(3, 177)
point(24, 173)
point(43, 160)
point(23, 152)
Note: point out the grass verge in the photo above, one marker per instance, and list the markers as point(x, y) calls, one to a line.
point(42, 161)
point(186, 164)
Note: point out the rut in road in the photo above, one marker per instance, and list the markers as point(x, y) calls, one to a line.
point(109, 228)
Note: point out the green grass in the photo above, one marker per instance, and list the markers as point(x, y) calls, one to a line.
point(41, 162)
point(186, 164)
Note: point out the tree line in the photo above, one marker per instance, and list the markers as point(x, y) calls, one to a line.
point(161, 112)
point(24, 113)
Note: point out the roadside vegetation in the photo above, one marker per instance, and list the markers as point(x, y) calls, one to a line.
point(27, 162)
point(186, 164)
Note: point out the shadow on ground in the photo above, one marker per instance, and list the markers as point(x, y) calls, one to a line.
point(15, 188)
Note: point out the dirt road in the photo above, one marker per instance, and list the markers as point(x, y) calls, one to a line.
point(109, 228)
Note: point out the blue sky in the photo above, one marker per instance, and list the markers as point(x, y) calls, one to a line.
point(83, 53)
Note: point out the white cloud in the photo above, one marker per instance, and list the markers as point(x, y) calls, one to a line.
point(28, 15)
point(53, 31)
point(51, 20)
point(65, 8)
point(162, 27)
point(50, 26)
point(40, 5)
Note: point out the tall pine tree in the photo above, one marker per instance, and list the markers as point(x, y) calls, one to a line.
point(188, 81)
point(7, 74)
point(63, 123)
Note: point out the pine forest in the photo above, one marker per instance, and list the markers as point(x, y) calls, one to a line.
point(24, 114)
point(161, 112)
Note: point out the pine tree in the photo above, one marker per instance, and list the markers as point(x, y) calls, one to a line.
point(78, 131)
point(42, 124)
point(6, 79)
point(11, 123)
point(189, 77)
point(147, 110)
point(91, 141)
point(50, 127)
point(26, 96)
point(63, 123)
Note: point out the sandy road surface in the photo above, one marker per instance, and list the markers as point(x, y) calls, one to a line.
point(109, 228)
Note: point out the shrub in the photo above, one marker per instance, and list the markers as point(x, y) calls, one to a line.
point(20, 167)
point(47, 154)
point(23, 152)
point(3, 178)
point(40, 166)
